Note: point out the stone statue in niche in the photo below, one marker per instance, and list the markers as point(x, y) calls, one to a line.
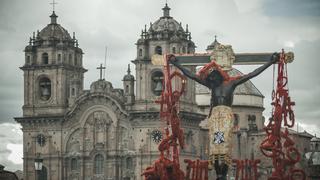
point(102, 120)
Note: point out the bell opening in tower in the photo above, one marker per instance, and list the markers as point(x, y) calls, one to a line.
point(45, 88)
point(45, 58)
point(158, 50)
point(157, 78)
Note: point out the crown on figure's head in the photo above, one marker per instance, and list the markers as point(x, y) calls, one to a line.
point(213, 66)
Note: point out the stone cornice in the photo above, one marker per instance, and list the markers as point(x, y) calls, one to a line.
point(53, 66)
point(39, 120)
point(187, 118)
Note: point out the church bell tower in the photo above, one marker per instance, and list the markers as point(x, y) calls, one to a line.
point(53, 71)
point(164, 36)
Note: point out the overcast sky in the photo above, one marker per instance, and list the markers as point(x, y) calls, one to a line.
point(249, 26)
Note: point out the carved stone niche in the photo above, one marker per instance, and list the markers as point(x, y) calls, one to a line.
point(95, 130)
point(101, 119)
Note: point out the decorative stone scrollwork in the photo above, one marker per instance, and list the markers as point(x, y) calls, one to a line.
point(73, 145)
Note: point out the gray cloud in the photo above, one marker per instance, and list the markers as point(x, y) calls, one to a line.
point(292, 8)
point(9, 134)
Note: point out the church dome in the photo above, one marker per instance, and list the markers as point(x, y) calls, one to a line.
point(166, 22)
point(128, 76)
point(247, 88)
point(213, 45)
point(54, 30)
point(315, 139)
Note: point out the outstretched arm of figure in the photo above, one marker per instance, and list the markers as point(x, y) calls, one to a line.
point(186, 72)
point(256, 72)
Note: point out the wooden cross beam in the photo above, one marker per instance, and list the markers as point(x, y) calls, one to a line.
point(240, 59)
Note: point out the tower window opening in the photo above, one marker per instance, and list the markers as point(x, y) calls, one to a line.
point(70, 59)
point(236, 120)
point(189, 138)
point(140, 52)
point(73, 92)
point(156, 84)
point(252, 122)
point(183, 49)
point(28, 60)
point(158, 50)
point(45, 58)
point(45, 89)
point(59, 58)
point(75, 60)
point(127, 88)
point(174, 50)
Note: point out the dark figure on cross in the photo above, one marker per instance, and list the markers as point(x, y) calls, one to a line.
point(222, 87)
point(218, 81)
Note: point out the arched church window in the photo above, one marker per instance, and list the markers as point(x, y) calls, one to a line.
point(140, 52)
point(183, 49)
point(98, 164)
point(73, 92)
point(75, 60)
point(28, 60)
point(70, 59)
point(127, 89)
point(59, 58)
point(158, 50)
point(174, 50)
point(129, 163)
point(45, 88)
point(74, 164)
point(156, 84)
point(252, 122)
point(45, 58)
point(189, 138)
point(236, 120)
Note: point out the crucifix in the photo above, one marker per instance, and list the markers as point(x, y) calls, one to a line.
point(100, 68)
point(53, 4)
point(217, 61)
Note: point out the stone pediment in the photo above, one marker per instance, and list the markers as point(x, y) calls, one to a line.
point(101, 92)
point(101, 86)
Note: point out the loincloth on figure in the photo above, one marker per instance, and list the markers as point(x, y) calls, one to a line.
point(220, 125)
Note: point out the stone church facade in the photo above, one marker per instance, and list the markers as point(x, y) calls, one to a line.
point(110, 133)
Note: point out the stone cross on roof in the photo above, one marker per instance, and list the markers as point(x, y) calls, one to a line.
point(101, 68)
point(53, 4)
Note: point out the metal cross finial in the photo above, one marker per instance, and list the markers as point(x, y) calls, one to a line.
point(100, 68)
point(53, 4)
